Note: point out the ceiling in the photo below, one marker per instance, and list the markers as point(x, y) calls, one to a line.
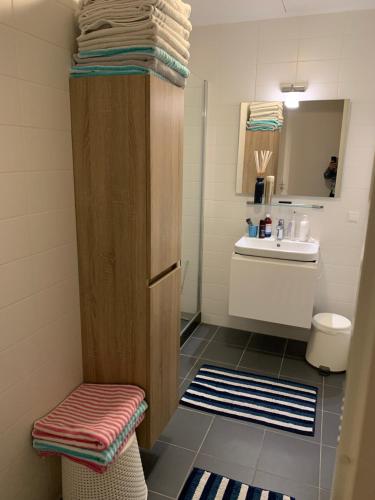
point(206, 12)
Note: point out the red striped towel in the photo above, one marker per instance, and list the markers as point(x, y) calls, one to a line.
point(93, 414)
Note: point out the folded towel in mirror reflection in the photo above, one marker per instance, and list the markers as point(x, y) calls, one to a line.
point(265, 116)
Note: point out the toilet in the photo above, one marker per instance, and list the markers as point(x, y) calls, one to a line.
point(329, 343)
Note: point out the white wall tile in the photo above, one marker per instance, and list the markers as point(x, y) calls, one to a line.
point(283, 51)
point(314, 49)
point(318, 71)
point(40, 345)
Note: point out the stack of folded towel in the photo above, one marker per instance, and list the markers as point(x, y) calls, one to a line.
point(92, 425)
point(121, 37)
point(265, 116)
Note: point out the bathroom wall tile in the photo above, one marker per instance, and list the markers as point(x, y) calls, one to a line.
point(44, 107)
point(13, 195)
point(50, 190)
point(286, 50)
point(50, 21)
point(318, 71)
point(276, 73)
point(8, 63)
point(47, 149)
point(41, 62)
point(10, 108)
point(16, 280)
point(12, 154)
point(15, 239)
point(314, 49)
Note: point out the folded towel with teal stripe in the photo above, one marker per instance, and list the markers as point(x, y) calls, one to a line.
point(98, 459)
point(139, 54)
point(162, 73)
point(264, 125)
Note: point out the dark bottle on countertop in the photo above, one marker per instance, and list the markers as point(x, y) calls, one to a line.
point(262, 229)
point(268, 222)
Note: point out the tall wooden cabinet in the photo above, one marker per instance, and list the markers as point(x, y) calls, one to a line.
point(127, 145)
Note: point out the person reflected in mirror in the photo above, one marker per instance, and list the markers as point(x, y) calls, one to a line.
point(330, 175)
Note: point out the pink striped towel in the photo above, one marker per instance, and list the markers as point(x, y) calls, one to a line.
point(93, 415)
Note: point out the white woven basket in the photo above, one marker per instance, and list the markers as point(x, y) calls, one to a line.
point(124, 479)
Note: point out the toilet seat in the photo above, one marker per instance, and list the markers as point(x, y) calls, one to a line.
point(331, 323)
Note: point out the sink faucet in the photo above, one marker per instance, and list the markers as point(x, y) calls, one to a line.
point(280, 230)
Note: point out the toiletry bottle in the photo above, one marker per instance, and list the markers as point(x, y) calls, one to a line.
point(262, 229)
point(268, 221)
point(292, 228)
point(304, 229)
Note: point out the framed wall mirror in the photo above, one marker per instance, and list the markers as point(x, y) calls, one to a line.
point(307, 145)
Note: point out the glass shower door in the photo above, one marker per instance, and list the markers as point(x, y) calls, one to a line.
point(193, 170)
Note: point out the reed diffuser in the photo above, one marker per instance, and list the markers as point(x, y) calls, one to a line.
point(261, 162)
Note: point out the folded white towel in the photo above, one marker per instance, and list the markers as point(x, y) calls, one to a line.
point(131, 12)
point(149, 41)
point(177, 5)
point(266, 104)
point(139, 21)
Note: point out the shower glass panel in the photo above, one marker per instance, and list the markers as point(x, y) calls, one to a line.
point(193, 170)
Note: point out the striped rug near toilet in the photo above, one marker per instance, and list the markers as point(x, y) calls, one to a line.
point(270, 401)
point(206, 485)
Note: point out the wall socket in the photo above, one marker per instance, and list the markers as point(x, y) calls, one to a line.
point(353, 216)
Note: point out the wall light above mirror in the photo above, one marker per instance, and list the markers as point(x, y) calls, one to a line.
point(307, 145)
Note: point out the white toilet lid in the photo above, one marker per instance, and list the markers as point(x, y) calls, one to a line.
point(331, 323)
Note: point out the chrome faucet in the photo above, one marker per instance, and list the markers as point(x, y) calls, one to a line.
point(280, 230)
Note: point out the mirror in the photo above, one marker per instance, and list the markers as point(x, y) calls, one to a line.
point(307, 146)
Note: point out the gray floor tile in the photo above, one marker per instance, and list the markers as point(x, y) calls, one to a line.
point(225, 468)
point(166, 468)
point(290, 458)
point(333, 398)
point(204, 331)
point(331, 423)
point(286, 486)
point(231, 336)
point(194, 347)
point(204, 361)
point(267, 343)
point(296, 349)
point(184, 386)
point(325, 495)
point(261, 362)
point(300, 369)
point(155, 496)
point(186, 429)
point(335, 380)
point(241, 443)
point(186, 364)
point(223, 353)
point(328, 466)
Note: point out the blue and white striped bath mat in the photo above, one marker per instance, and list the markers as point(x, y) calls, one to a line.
point(204, 485)
point(256, 398)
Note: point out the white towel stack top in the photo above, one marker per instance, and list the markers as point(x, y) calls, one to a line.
point(133, 37)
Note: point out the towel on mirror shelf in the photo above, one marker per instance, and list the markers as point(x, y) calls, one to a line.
point(130, 56)
point(93, 415)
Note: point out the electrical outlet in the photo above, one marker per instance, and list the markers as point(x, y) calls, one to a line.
point(353, 216)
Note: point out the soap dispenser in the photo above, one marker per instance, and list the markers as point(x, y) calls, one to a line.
point(304, 229)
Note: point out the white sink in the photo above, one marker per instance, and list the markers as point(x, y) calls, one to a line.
point(286, 249)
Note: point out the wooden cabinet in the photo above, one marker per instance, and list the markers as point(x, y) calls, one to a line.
point(127, 136)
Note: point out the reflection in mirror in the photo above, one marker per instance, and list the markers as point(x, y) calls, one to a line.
point(307, 146)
